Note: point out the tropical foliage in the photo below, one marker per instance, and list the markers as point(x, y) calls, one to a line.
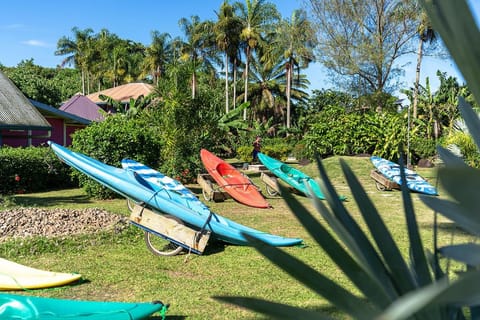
point(46, 85)
point(394, 287)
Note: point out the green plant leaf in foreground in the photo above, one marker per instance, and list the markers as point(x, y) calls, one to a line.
point(461, 292)
point(337, 295)
point(458, 30)
point(398, 268)
point(468, 253)
point(373, 284)
point(417, 251)
point(274, 310)
point(454, 212)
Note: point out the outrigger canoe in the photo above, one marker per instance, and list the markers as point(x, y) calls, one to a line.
point(24, 307)
point(131, 185)
point(232, 181)
point(292, 176)
point(15, 276)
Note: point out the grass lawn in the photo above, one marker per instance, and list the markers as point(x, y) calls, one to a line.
point(119, 267)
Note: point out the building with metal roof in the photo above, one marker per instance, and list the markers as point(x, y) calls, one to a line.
point(25, 122)
point(81, 106)
point(123, 93)
point(17, 113)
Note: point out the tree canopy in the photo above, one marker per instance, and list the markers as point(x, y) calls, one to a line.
point(362, 41)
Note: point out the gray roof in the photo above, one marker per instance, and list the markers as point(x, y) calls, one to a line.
point(16, 111)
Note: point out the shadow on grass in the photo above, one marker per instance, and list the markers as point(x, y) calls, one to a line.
point(29, 201)
point(448, 227)
point(214, 247)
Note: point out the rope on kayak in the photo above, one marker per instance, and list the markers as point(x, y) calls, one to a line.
point(163, 311)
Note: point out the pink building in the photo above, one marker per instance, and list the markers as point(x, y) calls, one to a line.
point(25, 122)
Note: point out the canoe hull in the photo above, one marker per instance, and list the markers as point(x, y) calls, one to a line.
point(125, 183)
point(232, 181)
point(15, 276)
point(29, 307)
point(292, 176)
point(391, 171)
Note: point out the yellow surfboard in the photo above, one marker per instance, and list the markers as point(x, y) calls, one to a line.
point(15, 276)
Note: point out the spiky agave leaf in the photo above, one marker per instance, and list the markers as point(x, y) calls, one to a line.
point(274, 310)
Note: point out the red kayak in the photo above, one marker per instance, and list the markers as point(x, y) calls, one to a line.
point(233, 181)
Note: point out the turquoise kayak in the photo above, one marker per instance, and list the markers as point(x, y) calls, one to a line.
point(23, 307)
point(132, 186)
point(292, 176)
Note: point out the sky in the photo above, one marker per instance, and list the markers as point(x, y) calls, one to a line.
point(30, 29)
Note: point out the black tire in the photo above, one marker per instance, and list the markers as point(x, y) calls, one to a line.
point(160, 246)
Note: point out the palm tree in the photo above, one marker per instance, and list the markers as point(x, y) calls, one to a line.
point(268, 85)
point(296, 39)
point(76, 51)
point(258, 18)
point(199, 46)
point(227, 31)
point(158, 55)
point(425, 34)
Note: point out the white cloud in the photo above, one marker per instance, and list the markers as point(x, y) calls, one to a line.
point(36, 43)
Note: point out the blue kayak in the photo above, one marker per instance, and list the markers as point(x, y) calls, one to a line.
point(158, 181)
point(131, 185)
point(391, 170)
point(24, 307)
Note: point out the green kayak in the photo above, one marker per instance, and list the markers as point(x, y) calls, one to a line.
point(23, 307)
point(292, 176)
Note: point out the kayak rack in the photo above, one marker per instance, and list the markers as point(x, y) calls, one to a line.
point(381, 182)
point(166, 235)
point(271, 183)
point(210, 190)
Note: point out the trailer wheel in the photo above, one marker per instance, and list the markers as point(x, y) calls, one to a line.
point(160, 246)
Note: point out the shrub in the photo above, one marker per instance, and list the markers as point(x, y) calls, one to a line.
point(467, 148)
point(110, 141)
point(31, 169)
point(276, 148)
point(334, 131)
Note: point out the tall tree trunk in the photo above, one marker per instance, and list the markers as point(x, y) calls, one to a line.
point(246, 82)
point(417, 77)
point(83, 81)
point(289, 83)
point(194, 80)
point(226, 83)
point(235, 84)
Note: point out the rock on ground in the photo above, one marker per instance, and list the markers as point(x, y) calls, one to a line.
point(27, 222)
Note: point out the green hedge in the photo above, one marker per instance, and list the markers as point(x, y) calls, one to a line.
point(110, 141)
point(275, 148)
point(334, 131)
point(31, 169)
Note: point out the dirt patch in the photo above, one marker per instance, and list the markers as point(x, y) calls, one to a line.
point(27, 222)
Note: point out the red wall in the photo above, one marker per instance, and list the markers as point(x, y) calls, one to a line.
point(60, 134)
